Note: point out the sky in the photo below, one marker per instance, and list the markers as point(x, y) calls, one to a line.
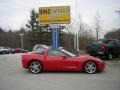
point(15, 13)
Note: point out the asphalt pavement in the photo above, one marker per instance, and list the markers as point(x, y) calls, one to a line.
point(14, 77)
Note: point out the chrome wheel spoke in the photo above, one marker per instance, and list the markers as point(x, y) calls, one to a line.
point(90, 67)
point(35, 67)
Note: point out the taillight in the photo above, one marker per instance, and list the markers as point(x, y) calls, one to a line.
point(104, 48)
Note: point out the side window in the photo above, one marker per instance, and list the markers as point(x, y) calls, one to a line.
point(112, 43)
point(55, 53)
point(119, 43)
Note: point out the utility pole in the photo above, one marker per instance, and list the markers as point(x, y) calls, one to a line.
point(21, 36)
point(76, 37)
point(118, 11)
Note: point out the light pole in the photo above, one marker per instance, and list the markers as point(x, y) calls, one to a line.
point(118, 11)
point(21, 36)
point(76, 37)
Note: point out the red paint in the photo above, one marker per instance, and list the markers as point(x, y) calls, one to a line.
point(61, 63)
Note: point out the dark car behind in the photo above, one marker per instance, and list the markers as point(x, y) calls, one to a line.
point(107, 48)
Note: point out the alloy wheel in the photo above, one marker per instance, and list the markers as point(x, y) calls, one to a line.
point(35, 67)
point(90, 67)
point(110, 56)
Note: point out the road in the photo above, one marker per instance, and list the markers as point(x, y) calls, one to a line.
point(14, 77)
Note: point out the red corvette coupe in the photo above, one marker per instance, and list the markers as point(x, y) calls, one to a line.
point(46, 59)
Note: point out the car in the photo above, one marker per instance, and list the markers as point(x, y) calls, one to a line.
point(11, 51)
point(4, 51)
point(107, 48)
point(48, 59)
point(37, 46)
point(19, 50)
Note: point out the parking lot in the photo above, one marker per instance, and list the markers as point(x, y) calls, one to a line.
point(14, 77)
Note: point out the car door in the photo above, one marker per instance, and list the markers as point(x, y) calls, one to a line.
point(113, 46)
point(116, 48)
point(70, 64)
point(57, 60)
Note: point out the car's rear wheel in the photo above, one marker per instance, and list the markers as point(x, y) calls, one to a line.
point(90, 67)
point(35, 67)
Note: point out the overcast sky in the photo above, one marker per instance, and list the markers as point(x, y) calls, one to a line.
point(15, 13)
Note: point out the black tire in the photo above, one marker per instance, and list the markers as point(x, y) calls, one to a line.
point(109, 56)
point(10, 52)
point(4, 52)
point(90, 67)
point(35, 67)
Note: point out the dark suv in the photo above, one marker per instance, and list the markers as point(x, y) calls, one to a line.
point(104, 47)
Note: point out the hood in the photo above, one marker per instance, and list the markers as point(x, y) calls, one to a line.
point(87, 57)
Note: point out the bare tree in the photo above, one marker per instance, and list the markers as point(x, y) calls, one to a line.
point(84, 32)
point(97, 25)
point(69, 36)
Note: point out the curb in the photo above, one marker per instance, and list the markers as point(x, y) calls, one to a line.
point(112, 61)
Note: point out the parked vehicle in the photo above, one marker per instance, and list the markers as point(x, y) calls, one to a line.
point(39, 46)
point(104, 48)
point(19, 50)
point(7, 51)
point(4, 51)
point(12, 51)
point(47, 59)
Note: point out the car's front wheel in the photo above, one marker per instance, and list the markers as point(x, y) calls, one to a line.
point(35, 67)
point(90, 67)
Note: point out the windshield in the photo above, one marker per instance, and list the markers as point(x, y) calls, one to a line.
point(68, 53)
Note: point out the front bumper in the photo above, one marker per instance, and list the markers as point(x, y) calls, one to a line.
point(101, 66)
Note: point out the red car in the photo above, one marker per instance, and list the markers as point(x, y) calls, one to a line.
point(46, 59)
point(19, 50)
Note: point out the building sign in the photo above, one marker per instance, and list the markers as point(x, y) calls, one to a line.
point(54, 15)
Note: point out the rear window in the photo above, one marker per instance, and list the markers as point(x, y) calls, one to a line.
point(102, 41)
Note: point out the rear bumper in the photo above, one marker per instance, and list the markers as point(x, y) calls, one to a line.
point(97, 53)
point(25, 64)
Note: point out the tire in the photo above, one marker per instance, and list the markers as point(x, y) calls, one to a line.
point(109, 56)
point(10, 52)
point(90, 67)
point(3, 52)
point(35, 67)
